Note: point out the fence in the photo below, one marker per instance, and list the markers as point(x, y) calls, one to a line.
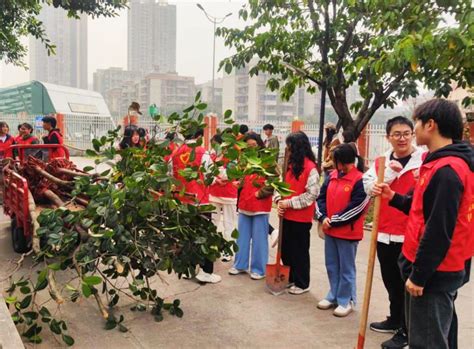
point(80, 130)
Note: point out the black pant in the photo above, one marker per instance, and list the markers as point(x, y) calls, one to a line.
point(208, 266)
point(392, 279)
point(428, 319)
point(295, 251)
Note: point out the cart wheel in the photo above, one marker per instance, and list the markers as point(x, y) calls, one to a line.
point(20, 242)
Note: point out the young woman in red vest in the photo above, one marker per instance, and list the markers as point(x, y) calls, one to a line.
point(54, 137)
point(254, 204)
point(401, 166)
point(25, 136)
point(5, 141)
point(223, 196)
point(341, 208)
point(298, 210)
point(438, 246)
point(181, 159)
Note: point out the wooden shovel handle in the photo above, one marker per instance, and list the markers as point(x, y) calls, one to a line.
point(372, 253)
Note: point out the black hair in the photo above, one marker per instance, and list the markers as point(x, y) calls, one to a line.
point(445, 113)
point(268, 127)
point(330, 133)
point(256, 138)
point(50, 120)
point(3, 123)
point(346, 153)
point(126, 141)
point(170, 136)
point(348, 135)
point(243, 129)
point(19, 126)
point(25, 125)
point(300, 148)
point(398, 120)
point(217, 138)
point(195, 135)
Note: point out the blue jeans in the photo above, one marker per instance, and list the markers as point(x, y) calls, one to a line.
point(340, 265)
point(253, 234)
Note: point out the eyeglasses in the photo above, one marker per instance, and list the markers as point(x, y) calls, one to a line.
point(399, 135)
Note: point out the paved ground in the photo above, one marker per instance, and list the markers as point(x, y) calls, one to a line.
point(239, 312)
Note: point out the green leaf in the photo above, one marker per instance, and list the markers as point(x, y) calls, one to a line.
point(227, 114)
point(159, 317)
point(88, 168)
point(68, 340)
point(55, 327)
point(235, 234)
point(178, 312)
point(198, 96)
point(54, 266)
point(25, 303)
point(91, 153)
point(86, 290)
point(25, 290)
point(201, 106)
point(96, 144)
point(92, 280)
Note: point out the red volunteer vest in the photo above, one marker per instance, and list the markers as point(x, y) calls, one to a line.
point(304, 215)
point(247, 199)
point(228, 190)
point(58, 152)
point(181, 160)
point(5, 150)
point(29, 140)
point(338, 198)
point(391, 220)
point(462, 241)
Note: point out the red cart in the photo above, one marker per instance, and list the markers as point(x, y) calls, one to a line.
point(15, 194)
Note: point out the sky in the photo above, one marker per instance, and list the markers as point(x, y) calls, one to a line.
point(108, 41)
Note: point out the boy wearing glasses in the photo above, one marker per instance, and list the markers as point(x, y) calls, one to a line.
point(401, 166)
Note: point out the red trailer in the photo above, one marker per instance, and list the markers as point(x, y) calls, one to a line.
point(15, 194)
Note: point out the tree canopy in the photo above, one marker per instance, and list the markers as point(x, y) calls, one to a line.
point(19, 19)
point(389, 48)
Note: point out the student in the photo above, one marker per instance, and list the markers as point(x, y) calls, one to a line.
point(223, 196)
point(341, 208)
point(5, 141)
point(298, 210)
point(25, 136)
point(255, 204)
point(271, 141)
point(401, 166)
point(132, 137)
point(439, 233)
point(181, 159)
point(243, 129)
point(54, 137)
point(329, 143)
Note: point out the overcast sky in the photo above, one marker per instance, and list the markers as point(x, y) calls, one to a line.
point(108, 41)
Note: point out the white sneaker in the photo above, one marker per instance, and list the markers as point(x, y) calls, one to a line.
point(325, 304)
point(226, 258)
point(256, 276)
point(297, 291)
point(341, 311)
point(235, 271)
point(208, 278)
point(274, 237)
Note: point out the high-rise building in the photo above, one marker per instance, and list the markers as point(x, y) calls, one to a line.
point(206, 95)
point(107, 79)
point(69, 65)
point(152, 36)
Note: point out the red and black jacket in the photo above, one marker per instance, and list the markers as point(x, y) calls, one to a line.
point(55, 137)
point(440, 228)
point(344, 201)
point(5, 150)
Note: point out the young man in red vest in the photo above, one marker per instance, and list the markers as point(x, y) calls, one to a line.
point(439, 236)
point(181, 159)
point(54, 137)
point(401, 166)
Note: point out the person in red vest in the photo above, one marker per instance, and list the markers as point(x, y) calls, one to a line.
point(341, 208)
point(298, 210)
point(5, 141)
point(254, 204)
point(401, 166)
point(25, 136)
point(54, 136)
point(181, 159)
point(223, 196)
point(438, 244)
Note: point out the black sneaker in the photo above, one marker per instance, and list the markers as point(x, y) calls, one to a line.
point(387, 326)
point(398, 341)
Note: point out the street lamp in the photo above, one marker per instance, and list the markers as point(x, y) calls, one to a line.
point(215, 21)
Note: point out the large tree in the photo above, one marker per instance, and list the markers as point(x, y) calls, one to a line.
point(19, 19)
point(389, 48)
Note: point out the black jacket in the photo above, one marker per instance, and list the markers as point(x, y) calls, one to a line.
point(441, 201)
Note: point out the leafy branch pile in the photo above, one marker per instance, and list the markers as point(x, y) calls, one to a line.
point(132, 228)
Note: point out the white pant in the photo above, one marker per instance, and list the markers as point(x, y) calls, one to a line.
point(224, 218)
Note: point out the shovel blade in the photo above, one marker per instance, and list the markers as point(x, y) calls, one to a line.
point(277, 278)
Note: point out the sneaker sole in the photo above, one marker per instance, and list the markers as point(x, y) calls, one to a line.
point(382, 331)
point(257, 278)
point(342, 315)
point(326, 307)
point(240, 272)
point(298, 293)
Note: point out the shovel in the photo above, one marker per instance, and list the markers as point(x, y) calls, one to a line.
point(277, 275)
